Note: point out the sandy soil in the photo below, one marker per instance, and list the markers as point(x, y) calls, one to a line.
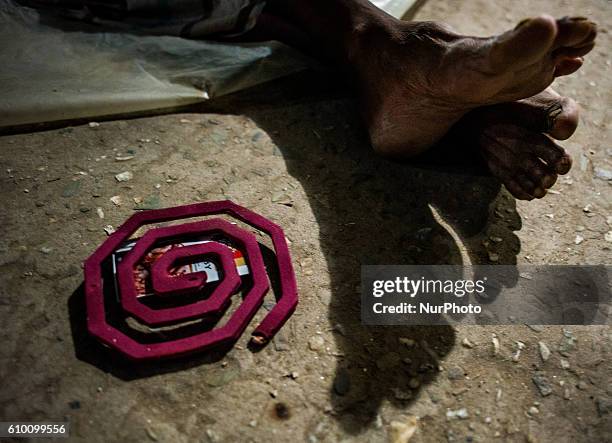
point(300, 158)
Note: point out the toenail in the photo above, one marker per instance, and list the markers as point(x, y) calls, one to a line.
point(552, 113)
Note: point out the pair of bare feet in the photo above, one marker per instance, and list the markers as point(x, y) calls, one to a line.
point(418, 79)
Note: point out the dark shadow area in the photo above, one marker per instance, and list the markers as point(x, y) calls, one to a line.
point(372, 211)
point(90, 350)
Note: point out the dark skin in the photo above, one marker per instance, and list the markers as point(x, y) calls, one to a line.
point(497, 88)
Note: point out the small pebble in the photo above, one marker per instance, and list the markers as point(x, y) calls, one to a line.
point(544, 351)
point(458, 413)
point(542, 384)
point(406, 341)
point(124, 176)
point(316, 343)
point(455, 373)
point(495, 342)
point(603, 174)
point(401, 431)
point(466, 343)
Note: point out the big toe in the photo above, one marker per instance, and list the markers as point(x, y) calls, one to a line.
point(547, 112)
point(566, 121)
point(557, 115)
point(524, 45)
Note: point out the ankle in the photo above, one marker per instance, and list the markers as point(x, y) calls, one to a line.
point(368, 35)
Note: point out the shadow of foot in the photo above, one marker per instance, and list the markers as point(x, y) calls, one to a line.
point(371, 211)
point(368, 211)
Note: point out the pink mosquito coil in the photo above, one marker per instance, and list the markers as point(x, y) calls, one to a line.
point(161, 269)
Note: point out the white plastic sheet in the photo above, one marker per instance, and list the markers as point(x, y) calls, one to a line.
point(55, 70)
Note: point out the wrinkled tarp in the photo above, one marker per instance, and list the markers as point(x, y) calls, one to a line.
point(54, 69)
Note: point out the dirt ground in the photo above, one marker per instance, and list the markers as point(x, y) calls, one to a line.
point(301, 158)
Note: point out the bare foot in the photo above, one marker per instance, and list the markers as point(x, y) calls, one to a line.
point(516, 141)
point(417, 79)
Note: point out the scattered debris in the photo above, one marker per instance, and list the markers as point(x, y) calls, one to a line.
point(495, 342)
point(455, 373)
point(568, 343)
point(608, 236)
point(565, 364)
point(46, 250)
point(109, 229)
point(458, 413)
point(533, 411)
point(535, 328)
point(116, 199)
point(151, 434)
point(543, 384)
point(544, 351)
point(466, 343)
point(579, 239)
point(123, 158)
point(582, 385)
point(408, 342)
point(124, 176)
point(338, 328)
point(402, 431)
point(517, 354)
point(603, 174)
point(100, 212)
point(94, 124)
point(316, 343)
